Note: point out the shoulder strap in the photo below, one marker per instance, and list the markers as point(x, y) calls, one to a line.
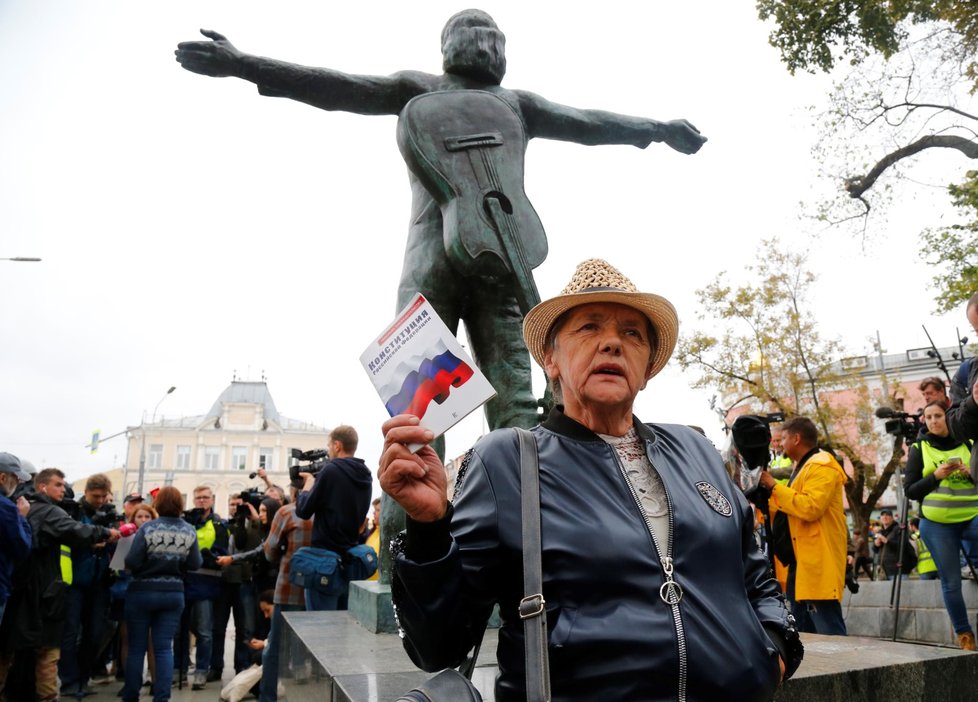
point(532, 610)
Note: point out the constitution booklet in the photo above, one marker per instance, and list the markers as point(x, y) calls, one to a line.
point(418, 367)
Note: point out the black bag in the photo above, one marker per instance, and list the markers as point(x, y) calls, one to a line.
point(447, 686)
point(781, 539)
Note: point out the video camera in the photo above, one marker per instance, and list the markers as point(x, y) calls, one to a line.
point(751, 437)
point(252, 496)
point(106, 516)
point(315, 459)
point(900, 424)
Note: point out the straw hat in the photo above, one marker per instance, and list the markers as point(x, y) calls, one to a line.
point(598, 281)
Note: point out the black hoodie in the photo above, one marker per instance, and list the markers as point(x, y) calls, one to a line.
point(339, 500)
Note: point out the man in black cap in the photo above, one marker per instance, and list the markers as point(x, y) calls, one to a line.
point(15, 532)
point(887, 545)
point(129, 505)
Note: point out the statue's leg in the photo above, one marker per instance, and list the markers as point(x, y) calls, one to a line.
point(426, 270)
point(494, 325)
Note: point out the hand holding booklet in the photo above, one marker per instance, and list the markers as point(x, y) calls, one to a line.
point(418, 367)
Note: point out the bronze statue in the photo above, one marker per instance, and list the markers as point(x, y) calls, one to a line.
point(474, 238)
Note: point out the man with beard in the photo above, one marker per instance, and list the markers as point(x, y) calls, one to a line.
point(474, 60)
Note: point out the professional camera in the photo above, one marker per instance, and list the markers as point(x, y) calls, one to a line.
point(70, 505)
point(253, 497)
point(751, 438)
point(106, 516)
point(315, 459)
point(900, 424)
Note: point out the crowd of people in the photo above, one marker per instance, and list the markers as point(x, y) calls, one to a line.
point(70, 610)
point(88, 593)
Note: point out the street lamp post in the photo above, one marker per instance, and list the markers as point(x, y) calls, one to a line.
point(142, 447)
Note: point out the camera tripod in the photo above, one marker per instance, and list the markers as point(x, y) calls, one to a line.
point(898, 578)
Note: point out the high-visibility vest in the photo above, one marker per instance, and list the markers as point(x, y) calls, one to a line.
point(206, 535)
point(781, 462)
point(66, 572)
point(955, 499)
point(925, 561)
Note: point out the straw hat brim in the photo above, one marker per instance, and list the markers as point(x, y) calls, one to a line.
point(659, 311)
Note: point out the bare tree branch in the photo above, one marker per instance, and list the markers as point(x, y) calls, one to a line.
point(858, 185)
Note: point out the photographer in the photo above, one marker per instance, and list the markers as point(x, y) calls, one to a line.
point(238, 590)
point(35, 613)
point(962, 418)
point(271, 489)
point(338, 496)
point(87, 599)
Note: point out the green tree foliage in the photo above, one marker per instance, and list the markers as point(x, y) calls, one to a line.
point(909, 90)
point(763, 344)
point(816, 34)
point(953, 250)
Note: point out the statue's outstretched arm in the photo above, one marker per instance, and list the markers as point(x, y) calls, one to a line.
point(319, 87)
point(550, 120)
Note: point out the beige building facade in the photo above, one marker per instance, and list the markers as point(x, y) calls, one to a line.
point(242, 432)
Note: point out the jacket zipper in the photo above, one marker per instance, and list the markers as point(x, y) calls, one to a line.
point(670, 592)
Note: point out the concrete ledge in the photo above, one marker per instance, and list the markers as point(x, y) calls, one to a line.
point(351, 664)
point(923, 618)
point(856, 668)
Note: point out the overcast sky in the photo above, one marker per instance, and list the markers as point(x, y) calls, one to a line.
point(191, 228)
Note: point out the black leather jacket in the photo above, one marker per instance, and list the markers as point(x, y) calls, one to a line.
point(611, 635)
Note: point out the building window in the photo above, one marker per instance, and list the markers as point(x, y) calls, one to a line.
point(154, 461)
point(212, 458)
point(183, 458)
point(239, 457)
point(266, 459)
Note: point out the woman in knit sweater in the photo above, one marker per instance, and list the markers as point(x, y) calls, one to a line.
point(162, 551)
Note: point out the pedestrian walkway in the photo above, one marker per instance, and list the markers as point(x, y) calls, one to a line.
point(110, 692)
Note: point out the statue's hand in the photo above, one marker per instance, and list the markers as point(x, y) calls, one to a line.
point(682, 136)
point(218, 58)
point(417, 481)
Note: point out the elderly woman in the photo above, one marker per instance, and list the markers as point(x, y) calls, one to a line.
point(654, 586)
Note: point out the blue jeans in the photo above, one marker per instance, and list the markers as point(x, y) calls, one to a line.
point(199, 619)
point(944, 542)
point(318, 602)
point(273, 648)
point(159, 613)
point(815, 616)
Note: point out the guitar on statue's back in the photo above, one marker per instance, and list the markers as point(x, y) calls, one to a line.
point(467, 148)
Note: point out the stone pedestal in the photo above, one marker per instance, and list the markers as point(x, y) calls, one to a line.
point(351, 664)
point(370, 605)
